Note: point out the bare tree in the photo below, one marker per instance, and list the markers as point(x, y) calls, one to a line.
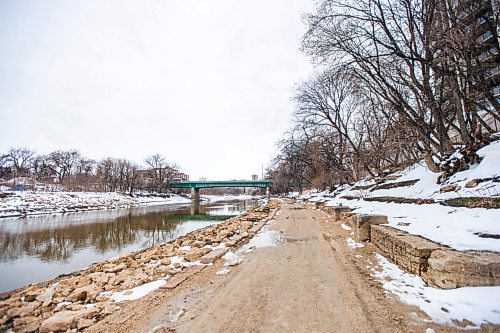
point(158, 170)
point(330, 99)
point(394, 48)
point(40, 169)
point(130, 176)
point(20, 158)
point(85, 166)
point(105, 174)
point(4, 165)
point(118, 175)
point(62, 163)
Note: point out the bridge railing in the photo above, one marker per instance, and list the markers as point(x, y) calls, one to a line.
point(212, 184)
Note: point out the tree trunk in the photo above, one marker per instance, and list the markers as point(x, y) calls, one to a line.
point(430, 163)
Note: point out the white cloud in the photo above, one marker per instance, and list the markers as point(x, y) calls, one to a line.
point(206, 83)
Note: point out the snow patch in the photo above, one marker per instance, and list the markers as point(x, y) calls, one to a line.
point(231, 259)
point(61, 304)
point(135, 293)
point(346, 227)
point(488, 168)
point(224, 271)
point(266, 238)
point(352, 244)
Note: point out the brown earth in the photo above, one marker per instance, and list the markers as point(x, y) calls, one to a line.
point(310, 282)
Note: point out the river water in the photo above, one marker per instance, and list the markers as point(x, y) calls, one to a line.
point(40, 248)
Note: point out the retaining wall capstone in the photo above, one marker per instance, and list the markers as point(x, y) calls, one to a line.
point(362, 223)
point(453, 269)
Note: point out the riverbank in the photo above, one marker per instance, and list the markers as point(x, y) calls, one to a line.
point(301, 276)
point(28, 203)
point(24, 204)
point(82, 298)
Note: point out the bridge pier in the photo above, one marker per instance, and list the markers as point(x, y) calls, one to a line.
point(195, 197)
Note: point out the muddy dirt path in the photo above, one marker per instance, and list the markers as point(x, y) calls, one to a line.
point(303, 284)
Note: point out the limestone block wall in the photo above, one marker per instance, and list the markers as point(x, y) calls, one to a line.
point(410, 252)
point(435, 263)
point(452, 269)
point(438, 265)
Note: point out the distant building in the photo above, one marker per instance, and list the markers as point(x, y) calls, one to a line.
point(171, 174)
point(178, 176)
point(255, 177)
point(477, 18)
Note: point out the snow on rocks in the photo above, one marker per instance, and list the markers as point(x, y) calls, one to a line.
point(352, 244)
point(418, 182)
point(461, 228)
point(74, 300)
point(231, 259)
point(472, 305)
point(36, 203)
point(135, 293)
point(457, 227)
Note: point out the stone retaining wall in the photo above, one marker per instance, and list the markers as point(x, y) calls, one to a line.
point(438, 265)
point(410, 252)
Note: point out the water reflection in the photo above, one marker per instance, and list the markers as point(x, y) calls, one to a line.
point(75, 240)
point(60, 242)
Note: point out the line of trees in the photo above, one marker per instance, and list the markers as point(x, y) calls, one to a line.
point(397, 81)
point(78, 173)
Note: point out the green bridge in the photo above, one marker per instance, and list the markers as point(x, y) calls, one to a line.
point(212, 184)
point(196, 185)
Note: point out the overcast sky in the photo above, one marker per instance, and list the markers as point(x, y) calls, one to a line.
point(205, 83)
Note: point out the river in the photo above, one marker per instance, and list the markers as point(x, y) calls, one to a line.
point(40, 248)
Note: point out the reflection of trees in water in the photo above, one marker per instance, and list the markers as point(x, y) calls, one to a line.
point(60, 244)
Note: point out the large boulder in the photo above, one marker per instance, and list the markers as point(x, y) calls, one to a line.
point(121, 277)
point(212, 256)
point(46, 296)
point(64, 320)
point(111, 268)
point(100, 278)
point(23, 311)
point(65, 287)
point(82, 294)
point(195, 254)
point(136, 279)
point(26, 324)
